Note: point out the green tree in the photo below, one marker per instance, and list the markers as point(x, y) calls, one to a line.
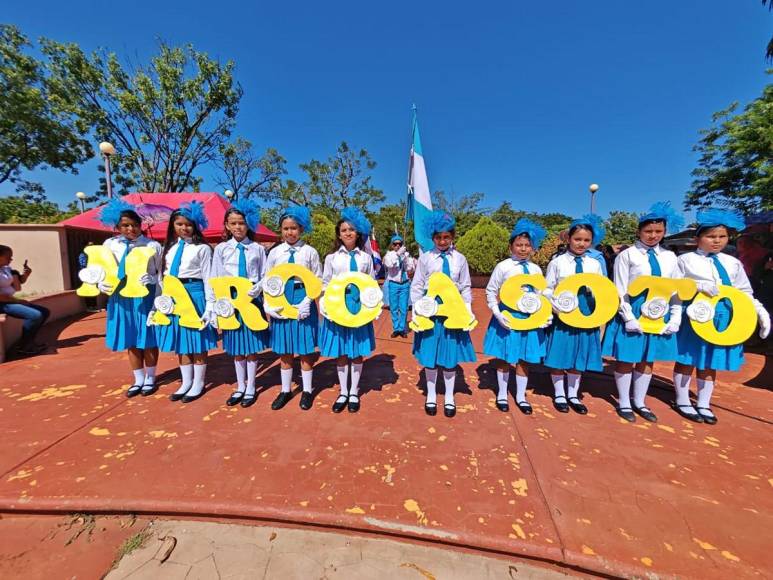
point(553, 222)
point(736, 158)
point(35, 129)
point(621, 227)
point(21, 210)
point(323, 234)
point(247, 174)
point(384, 222)
point(465, 209)
point(547, 249)
point(484, 245)
point(506, 216)
point(166, 119)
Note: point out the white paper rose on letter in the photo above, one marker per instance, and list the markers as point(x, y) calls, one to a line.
point(529, 303)
point(92, 275)
point(273, 286)
point(164, 304)
point(426, 307)
point(654, 309)
point(700, 311)
point(566, 301)
point(223, 307)
point(371, 297)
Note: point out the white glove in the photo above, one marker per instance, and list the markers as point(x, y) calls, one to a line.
point(471, 325)
point(304, 308)
point(322, 310)
point(672, 327)
point(104, 288)
point(274, 312)
point(209, 318)
point(401, 251)
point(146, 279)
point(503, 322)
point(764, 319)
point(626, 312)
point(256, 289)
point(548, 322)
point(150, 321)
point(633, 326)
point(708, 288)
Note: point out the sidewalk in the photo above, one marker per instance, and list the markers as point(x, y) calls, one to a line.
point(673, 499)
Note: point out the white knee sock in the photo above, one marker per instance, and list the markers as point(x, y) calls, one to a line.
point(682, 389)
point(139, 376)
point(503, 377)
point(252, 370)
point(705, 389)
point(287, 379)
point(150, 376)
point(623, 382)
point(199, 375)
point(520, 388)
point(343, 378)
point(558, 385)
point(356, 374)
point(573, 385)
point(449, 378)
point(431, 375)
point(306, 377)
point(186, 371)
point(241, 374)
point(641, 383)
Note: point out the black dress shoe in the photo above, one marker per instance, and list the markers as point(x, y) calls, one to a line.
point(404, 334)
point(133, 391)
point(626, 413)
point(560, 404)
point(354, 403)
point(249, 400)
point(395, 334)
point(645, 413)
point(146, 392)
point(281, 400)
point(694, 417)
point(306, 400)
point(340, 403)
point(449, 410)
point(708, 418)
point(502, 405)
point(174, 397)
point(577, 406)
point(191, 398)
point(234, 399)
point(524, 407)
point(430, 409)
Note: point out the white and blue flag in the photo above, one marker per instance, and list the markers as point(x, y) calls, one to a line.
point(419, 199)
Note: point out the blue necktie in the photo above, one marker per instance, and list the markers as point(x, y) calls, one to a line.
point(177, 260)
point(721, 270)
point(353, 261)
point(525, 265)
point(654, 264)
point(292, 256)
point(242, 260)
point(403, 275)
point(122, 263)
point(578, 264)
point(446, 265)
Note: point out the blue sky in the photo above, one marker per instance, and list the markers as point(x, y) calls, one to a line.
point(524, 101)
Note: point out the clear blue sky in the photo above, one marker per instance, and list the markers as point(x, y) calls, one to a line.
point(524, 101)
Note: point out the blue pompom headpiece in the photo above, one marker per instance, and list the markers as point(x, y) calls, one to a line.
point(713, 217)
point(300, 215)
point(438, 221)
point(533, 230)
point(396, 238)
point(663, 211)
point(250, 210)
point(193, 211)
point(357, 219)
point(110, 214)
point(594, 222)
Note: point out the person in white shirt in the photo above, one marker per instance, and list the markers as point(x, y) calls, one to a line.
point(634, 350)
point(711, 268)
point(570, 350)
point(440, 346)
point(239, 255)
point(508, 346)
point(290, 337)
point(399, 265)
point(126, 317)
point(341, 342)
point(188, 257)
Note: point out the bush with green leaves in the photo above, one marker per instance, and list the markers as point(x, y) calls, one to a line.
point(322, 234)
point(484, 245)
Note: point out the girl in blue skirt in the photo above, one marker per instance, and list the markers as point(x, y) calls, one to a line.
point(289, 337)
point(341, 342)
point(441, 347)
point(241, 256)
point(569, 350)
point(507, 346)
point(710, 268)
point(624, 339)
point(189, 258)
point(126, 317)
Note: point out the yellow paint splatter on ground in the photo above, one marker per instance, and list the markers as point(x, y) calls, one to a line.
point(113, 392)
point(730, 556)
point(304, 503)
point(442, 438)
point(432, 430)
point(704, 545)
point(412, 506)
point(355, 510)
point(625, 534)
point(79, 479)
point(708, 441)
point(520, 487)
point(518, 532)
point(21, 474)
point(667, 428)
point(390, 471)
point(584, 521)
point(99, 432)
point(646, 561)
point(428, 575)
point(444, 467)
point(668, 546)
point(588, 551)
point(161, 433)
point(52, 393)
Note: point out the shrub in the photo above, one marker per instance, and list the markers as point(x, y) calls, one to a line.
point(322, 235)
point(484, 245)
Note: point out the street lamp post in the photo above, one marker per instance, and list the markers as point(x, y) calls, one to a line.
point(107, 150)
point(593, 189)
point(229, 194)
point(82, 197)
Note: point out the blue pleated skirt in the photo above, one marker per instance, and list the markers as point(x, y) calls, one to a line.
point(513, 346)
point(696, 352)
point(243, 340)
point(574, 348)
point(182, 340)
point(441, 347)
point(127, 321)
point(632, 347)
point(295, 336)
point(336, 340)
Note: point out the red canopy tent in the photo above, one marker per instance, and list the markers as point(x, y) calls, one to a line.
point(155, 209)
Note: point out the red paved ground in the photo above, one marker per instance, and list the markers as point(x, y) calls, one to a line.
point(673, 499)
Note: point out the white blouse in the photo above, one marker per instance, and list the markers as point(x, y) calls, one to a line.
point(6, 281)
point(431, 262)
point(339, 263)
point(700, 267)
point(563, 266)
point(634, 262)
point(225, 260)
point(394, 267)
point(305, 255)
point(502, 271)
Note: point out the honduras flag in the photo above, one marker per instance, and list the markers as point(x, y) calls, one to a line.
point(419, 200)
